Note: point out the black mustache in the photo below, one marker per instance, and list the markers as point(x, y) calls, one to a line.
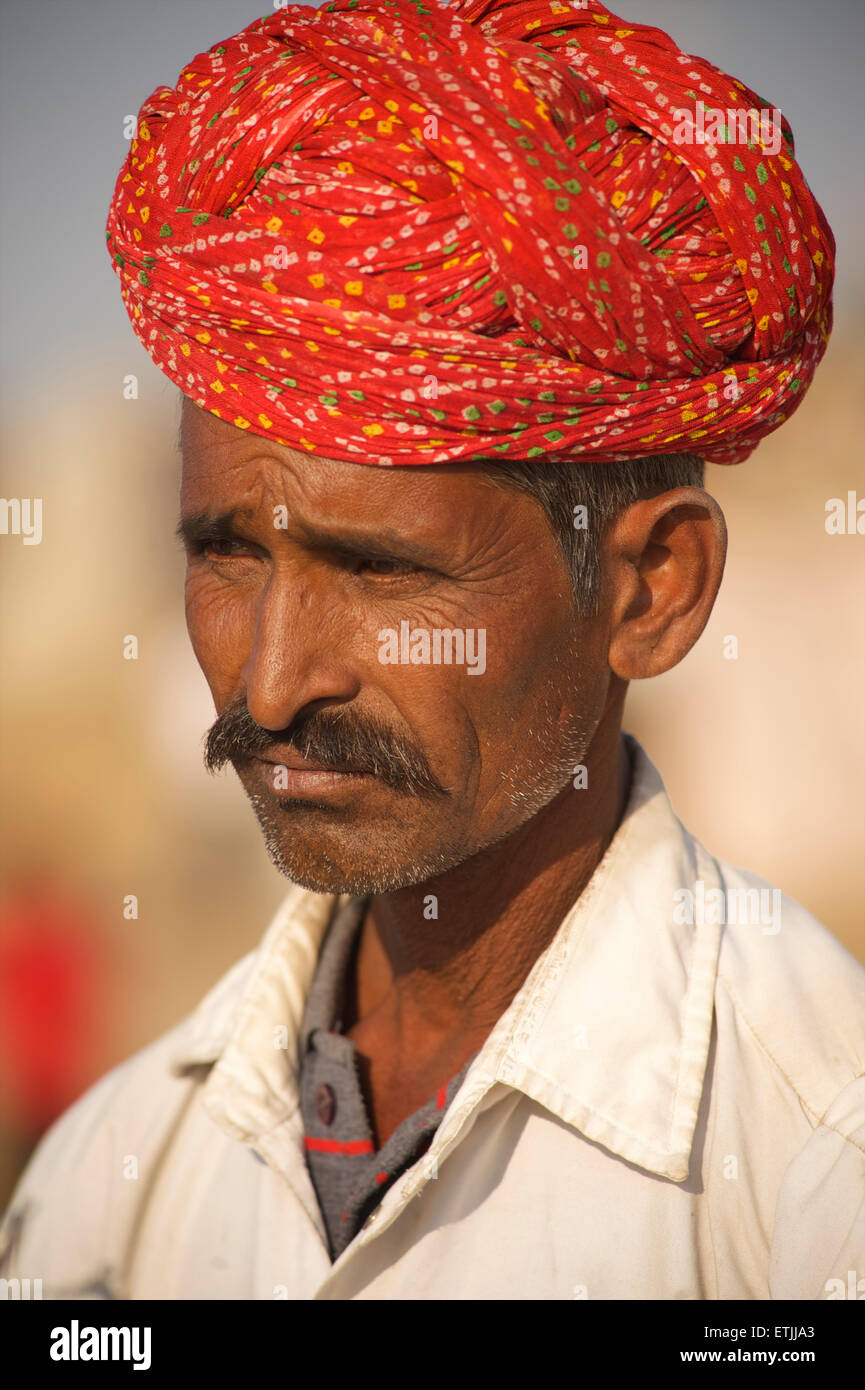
point(327, 736)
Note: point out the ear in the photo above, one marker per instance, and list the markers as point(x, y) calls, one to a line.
point(663, 561)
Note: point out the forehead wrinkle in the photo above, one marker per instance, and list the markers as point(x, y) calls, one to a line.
point(421, 505)
point(362, 491)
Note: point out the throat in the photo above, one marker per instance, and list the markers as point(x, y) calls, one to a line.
point(396, 1082)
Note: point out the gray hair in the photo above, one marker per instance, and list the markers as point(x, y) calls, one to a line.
point(604, 489)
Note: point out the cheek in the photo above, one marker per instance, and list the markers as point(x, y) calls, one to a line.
point(220, 620)
point(543, 675)
point(528, 659)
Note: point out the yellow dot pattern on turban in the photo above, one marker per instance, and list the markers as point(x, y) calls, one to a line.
point(409, 233)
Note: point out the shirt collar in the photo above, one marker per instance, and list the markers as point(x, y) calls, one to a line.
point(326, 998)
point(609, 1032)
point(612, 1027)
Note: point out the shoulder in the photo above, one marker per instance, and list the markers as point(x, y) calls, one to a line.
point(790, 1008)
point(819, 1228)
point(60, 1226)
point(796, 991)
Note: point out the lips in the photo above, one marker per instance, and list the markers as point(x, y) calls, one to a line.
point(294, 762)
point(297, 777)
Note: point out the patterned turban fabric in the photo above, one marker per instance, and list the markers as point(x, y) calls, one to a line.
point(412, 232)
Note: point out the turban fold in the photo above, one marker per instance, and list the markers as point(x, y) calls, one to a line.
point(397, 232)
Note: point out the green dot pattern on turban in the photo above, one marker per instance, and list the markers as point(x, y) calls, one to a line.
point(410, 232)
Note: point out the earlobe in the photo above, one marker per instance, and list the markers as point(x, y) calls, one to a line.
point(665, 559)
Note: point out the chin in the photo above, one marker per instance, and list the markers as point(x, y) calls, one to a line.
point(325, 861)
point(321, 873)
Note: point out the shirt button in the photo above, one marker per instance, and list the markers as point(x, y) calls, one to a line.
point(325, 1103)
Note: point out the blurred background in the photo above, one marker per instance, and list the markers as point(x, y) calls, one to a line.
point(105, 799)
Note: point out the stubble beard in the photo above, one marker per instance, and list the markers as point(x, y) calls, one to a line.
point(558, 747)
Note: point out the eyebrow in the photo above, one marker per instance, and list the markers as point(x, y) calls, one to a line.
point(200, 528)
point(197, 528)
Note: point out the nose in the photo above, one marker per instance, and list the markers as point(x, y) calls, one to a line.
point(299, 658)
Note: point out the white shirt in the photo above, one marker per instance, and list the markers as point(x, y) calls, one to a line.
point(665, 1111)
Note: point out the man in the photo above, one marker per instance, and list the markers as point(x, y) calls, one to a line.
point(514, 1033)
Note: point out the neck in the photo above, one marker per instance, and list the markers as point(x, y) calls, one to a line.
point(425, 983)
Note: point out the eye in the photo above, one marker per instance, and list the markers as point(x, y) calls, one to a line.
point(224, 549)
point(382, 565)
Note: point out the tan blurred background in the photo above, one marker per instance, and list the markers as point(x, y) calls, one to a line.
point(104, 792)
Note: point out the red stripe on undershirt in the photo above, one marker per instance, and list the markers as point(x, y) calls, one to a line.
point(381, 1177)
point(337, 1146)
point(441, 1097)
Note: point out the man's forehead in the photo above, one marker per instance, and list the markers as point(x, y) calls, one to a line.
point(235, 482)
point(219, 457)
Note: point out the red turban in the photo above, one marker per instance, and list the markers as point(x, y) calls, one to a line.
point(392, 232)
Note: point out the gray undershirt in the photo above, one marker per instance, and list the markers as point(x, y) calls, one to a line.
point(350, 1181)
